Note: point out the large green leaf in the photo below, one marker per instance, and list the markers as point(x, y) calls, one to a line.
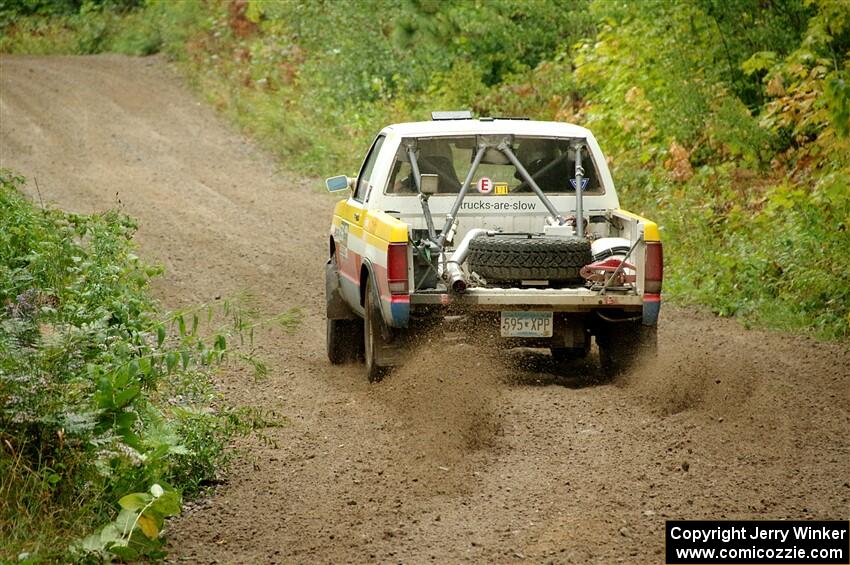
point(168, 504)
point(124, 397)
point(135, 501)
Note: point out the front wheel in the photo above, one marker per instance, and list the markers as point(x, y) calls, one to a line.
point(374, 341)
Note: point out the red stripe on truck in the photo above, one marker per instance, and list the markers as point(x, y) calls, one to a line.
point(654, 268)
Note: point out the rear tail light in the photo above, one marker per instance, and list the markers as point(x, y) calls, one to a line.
point(654, 268)
point(397, 268)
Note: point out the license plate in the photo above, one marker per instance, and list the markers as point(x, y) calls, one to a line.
point(518, 323)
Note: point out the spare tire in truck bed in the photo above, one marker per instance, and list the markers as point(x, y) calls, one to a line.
point(528, 257)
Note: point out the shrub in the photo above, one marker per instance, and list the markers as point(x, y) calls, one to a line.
point(101, 395)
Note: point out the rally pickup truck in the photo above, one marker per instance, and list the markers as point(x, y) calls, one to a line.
point(511, 224)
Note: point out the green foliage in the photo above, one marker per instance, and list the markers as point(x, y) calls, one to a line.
point(74, 27)
point(747, 171)
point(100, 394)
point(136, 530)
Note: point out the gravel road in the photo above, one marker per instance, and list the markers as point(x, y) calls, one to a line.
point(467, 454)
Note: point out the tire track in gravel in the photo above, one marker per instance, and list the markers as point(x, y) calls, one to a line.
point(464, 455)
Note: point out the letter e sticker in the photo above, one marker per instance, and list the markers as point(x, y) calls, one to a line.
point(485, 185)
point(501, 188)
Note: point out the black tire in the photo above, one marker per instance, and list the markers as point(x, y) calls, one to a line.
point(344, 339)
point(511, 258)
point(373, 337)
point(623, 344)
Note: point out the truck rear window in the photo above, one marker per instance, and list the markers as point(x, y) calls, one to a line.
point(550, 162)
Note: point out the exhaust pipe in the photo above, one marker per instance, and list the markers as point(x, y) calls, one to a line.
point(454, 274)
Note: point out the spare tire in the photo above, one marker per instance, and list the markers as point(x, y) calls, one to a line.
point(529, 257)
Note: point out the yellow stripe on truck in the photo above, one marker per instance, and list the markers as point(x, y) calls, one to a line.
point(376, 242)
point(347, 211)
point(650, 228)
point(385, 227)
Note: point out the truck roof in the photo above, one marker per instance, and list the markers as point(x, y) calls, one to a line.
point(488, 126)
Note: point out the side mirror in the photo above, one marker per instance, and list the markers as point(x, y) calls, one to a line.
point(341, 182)
point(429, 183)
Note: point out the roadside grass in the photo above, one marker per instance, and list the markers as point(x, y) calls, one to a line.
point(88, 32)
point(108, 412)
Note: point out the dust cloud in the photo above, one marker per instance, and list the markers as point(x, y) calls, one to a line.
point(445, 402)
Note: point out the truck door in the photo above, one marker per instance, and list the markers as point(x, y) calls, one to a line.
point(351, 241)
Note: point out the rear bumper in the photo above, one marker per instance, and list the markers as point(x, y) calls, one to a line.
point(552, 299)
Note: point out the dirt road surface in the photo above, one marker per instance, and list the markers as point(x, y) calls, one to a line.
point(466, 455)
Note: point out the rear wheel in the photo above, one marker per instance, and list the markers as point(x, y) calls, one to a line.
point(373, 339)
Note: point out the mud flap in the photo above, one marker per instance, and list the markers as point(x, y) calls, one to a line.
point(651, 310)
point(391, 354)
point(392, 351)
point(337, 307)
